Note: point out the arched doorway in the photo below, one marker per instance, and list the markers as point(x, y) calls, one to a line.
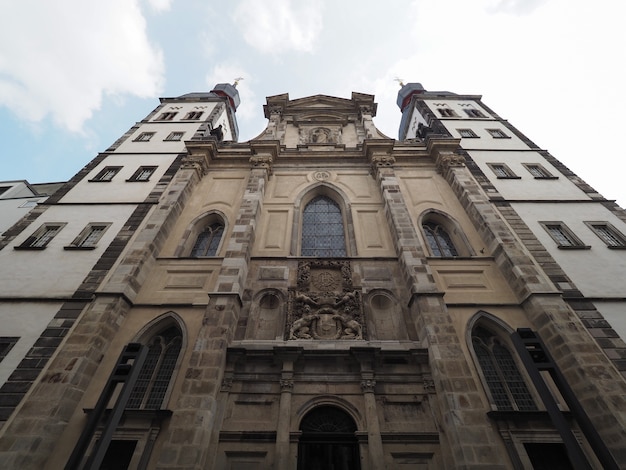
point(328, 441)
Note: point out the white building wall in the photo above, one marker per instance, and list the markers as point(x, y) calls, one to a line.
point(118, 189)
point(598, 271)
point(527, 187)
point(26, 320)
point(615, 314)
point(54, 272)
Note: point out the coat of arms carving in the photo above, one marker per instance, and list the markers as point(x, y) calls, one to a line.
point(325, 305)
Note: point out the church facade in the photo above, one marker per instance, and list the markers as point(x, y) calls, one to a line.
point(321, 296)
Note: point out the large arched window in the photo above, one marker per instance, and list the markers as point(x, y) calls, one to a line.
point(503, 379)
point(208, 240)
point(322, 229)
point(439, 240)
point(156, 373)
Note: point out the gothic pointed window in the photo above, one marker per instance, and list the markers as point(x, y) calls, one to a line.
point(322, 229)
point(208, 240)
point(439, 240)
point(502, 376)
point(156, 373)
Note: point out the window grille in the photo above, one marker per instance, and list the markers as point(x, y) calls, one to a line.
point(439, 240)
point(322, 229)
point(156, 373)
point(504, 380)
point(208, 241)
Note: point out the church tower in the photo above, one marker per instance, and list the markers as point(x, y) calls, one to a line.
point(321, 296)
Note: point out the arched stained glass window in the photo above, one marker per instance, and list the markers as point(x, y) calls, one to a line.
point(208, 241)
point(439, 240)
point(156, 373)
point(322, 229)
point(504, 380)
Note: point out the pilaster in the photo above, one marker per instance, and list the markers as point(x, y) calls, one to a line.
point(596, 383)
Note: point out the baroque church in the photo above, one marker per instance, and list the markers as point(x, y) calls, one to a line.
point(322, 296)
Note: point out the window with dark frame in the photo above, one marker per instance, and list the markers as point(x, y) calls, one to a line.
point(144, 137)
point(143, 173)
point(89, 237)
point(6, 344)
point(175, 136)
point(563, 236)
point(612, 237)
point(538, 171)
point(106, 174)
point(497, 134)
point(467, 133)
point(474, 113)
point(502, 171)
point(42, 236)
point(193, 115)
point(168, 116)
point(447, 112)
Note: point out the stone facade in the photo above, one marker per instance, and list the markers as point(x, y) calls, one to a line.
point(378, 358)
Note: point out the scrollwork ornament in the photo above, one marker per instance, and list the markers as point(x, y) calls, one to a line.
point(382, 161)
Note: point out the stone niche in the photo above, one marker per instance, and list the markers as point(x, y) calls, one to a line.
point(325, 305)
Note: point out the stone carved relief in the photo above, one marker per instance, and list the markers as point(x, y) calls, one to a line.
point(447, 160)
point(320, 135)
point(325, 305)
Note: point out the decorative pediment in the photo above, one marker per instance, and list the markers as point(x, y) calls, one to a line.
point(320, 122)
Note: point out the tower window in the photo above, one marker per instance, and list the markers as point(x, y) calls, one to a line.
point(89, 237)
point(439, 240)
point(193, 115)
point(496, 133)
point(208, 241)
point(144, 137)
point(143, 173)
point(322, 229)
point(608, 234)
point(447, 112)
point(175, 136)
point(166, 116)
point(106, 174)
point(467, 133)
point(502, 376)
point(563, 236)
point(40, 239)
point(538, 172)
point(502, 171)
point(474, 113)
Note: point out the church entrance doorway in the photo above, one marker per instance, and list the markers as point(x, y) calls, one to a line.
point(328, 441)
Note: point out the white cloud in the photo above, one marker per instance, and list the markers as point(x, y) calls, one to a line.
point(160, 5)
point(281, 25)
point(60, 58)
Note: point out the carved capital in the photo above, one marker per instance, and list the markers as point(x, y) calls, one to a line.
point(368, 386)
point(195, 162)
point(227, 383)
point(262, 161)
point(286, 385)
point(447, 160)
point(382, 161)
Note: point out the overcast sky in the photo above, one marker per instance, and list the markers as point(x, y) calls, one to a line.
point(76, 74)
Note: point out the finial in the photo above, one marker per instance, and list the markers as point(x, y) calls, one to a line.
point(237, 80)
point(400, 81)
